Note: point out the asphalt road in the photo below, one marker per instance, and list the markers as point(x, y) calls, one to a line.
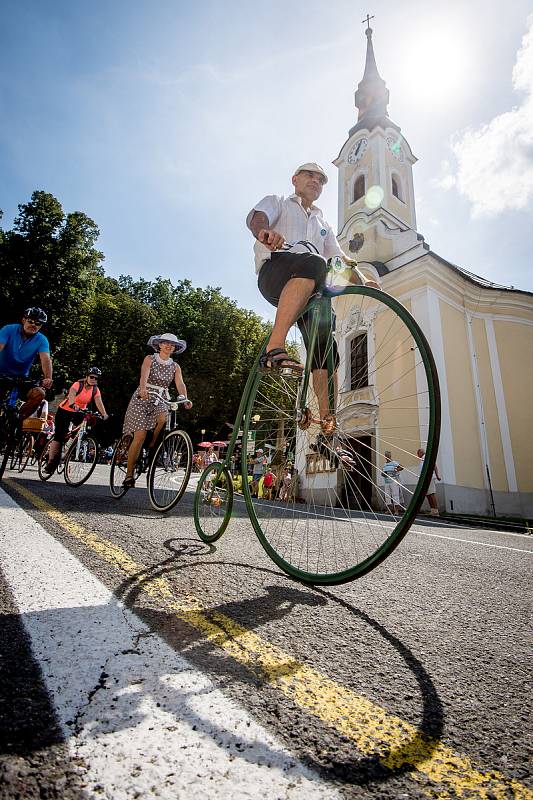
point(409, 682)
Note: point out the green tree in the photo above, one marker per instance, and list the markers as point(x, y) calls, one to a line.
point(48, 259)
point(111, 332)
point(222, 343)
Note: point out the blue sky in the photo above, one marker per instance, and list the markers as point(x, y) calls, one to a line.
point(165, 121)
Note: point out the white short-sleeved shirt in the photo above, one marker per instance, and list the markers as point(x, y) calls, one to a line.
point(289, 218)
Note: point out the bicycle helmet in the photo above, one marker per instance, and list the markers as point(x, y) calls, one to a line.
point(36, 313)
point(94, 371)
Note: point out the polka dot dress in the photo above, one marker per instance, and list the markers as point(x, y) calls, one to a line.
point(141, 415)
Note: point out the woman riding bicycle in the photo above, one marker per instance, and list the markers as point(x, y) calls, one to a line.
point(72, 411)
point(148, 409)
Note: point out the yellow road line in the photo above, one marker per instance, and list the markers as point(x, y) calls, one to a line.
point(374, 731)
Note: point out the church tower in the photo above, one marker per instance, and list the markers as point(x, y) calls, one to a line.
point(377, 216)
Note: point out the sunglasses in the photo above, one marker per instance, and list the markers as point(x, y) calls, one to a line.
point(94, 377)
point(34, 322)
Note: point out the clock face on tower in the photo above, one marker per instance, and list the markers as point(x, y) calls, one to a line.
point(395, 148)
point(357, 150)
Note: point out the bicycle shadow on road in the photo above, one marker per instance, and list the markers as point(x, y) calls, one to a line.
point(205, 648)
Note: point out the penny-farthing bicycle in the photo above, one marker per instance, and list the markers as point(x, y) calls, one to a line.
point(332, 519)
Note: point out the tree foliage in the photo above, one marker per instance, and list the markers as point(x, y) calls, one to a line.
point(48, 260)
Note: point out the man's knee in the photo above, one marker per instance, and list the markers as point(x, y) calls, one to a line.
point(36, 395)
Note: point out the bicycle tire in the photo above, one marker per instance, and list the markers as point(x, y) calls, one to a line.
point(169, 470)
point(78, 470)
point(43, 461)
point(118, 468)
point(213, 503)
point(27, 446)
point(337, 533)
point(16, 454)
point(9, 445)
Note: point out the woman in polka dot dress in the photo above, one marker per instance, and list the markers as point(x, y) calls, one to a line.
point(146, 410)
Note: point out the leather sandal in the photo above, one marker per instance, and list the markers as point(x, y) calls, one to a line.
point(278, 358)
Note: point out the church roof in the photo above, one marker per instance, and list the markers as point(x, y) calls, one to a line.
point(477, 279)
point(382, 270)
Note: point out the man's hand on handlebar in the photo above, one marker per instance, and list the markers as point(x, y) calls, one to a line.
point(271, 239)
point(352, 263)
point(47, 383)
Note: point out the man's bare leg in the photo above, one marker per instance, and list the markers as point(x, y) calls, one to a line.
point(320, 386)
point(35, 396)
point(292, 301)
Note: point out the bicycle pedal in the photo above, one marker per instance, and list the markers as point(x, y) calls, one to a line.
point(284, 372)
point(287, 372)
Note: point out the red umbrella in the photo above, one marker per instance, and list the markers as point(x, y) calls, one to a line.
point(220, 444)
point(205, 444)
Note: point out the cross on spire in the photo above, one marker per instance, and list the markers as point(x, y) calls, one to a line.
point(367, 20)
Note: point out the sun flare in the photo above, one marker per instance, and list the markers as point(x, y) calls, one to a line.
point(436, 65)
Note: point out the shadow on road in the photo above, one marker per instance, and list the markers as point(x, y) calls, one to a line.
point(277, 602)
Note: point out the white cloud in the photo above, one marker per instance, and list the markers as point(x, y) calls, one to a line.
point(495, 161)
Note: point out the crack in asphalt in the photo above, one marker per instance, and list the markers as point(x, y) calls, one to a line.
point(76, 724)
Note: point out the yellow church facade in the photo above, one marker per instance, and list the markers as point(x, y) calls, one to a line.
point(480, 333)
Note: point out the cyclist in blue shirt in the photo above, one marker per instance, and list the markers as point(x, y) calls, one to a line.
point(19, 344)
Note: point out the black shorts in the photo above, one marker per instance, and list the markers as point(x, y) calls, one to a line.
point(276, 272)
point(62, 422)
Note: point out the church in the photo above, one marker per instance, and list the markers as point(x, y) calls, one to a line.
point(480, 333)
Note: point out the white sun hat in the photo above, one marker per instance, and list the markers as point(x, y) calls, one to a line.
point(312, 166)
point(179, 344)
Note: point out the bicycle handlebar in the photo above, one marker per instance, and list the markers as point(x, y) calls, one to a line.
point(172, 404)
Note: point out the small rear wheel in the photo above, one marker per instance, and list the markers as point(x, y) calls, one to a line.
point(169, 471)
point(213, 502)
point(80, 460)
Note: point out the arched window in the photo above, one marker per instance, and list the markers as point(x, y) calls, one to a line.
point(396, 187)
point(359, 188)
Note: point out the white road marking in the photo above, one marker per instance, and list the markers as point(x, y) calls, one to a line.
point(473, 541)
point(376, 521)
point(145, 721)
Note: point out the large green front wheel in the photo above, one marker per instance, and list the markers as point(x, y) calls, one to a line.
point(337, 508)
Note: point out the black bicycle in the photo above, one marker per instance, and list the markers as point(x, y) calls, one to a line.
point(167, 465)
point(11, 435)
